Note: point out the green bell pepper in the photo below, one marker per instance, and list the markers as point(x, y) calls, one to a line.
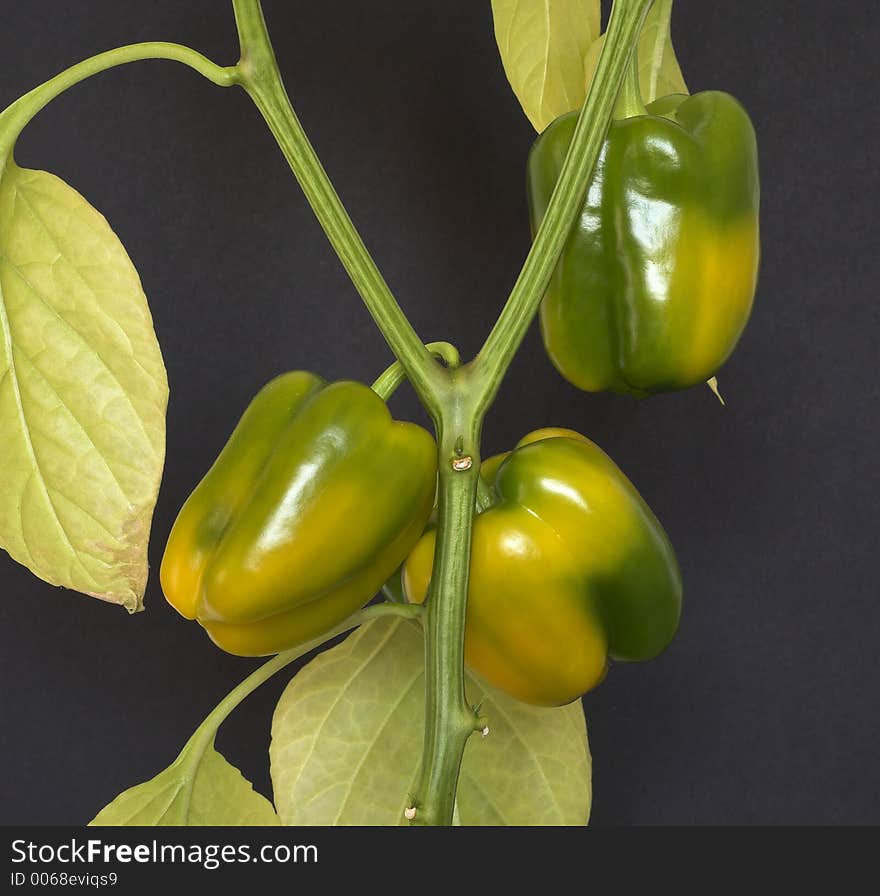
point(568, 567)
point(314, 502)
point(657, 279)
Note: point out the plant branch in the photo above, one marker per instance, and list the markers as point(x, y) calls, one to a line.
point(260, 77)
point(449, 720)
point(387, 383)
point(624, 26)
point(205, 733)
point(14, 118)
point(456, 398)
point(629, 103)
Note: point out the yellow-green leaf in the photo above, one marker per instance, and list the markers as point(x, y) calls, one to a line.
point(534, 768)
point(543, 44)
point(200, 788)
point(347, 733)
point(83, 394)
point(659, 71)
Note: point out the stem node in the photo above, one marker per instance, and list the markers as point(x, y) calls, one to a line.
point(462, 464)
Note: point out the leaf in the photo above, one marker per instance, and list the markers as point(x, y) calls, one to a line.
point(659, 71)
point(347, 730)
point(543, 44)
point(83, 394)
point(534, 768)
point(347, 733)
point(199, 788)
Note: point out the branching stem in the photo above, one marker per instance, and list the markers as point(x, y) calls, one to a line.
point(14, 118)
point(204, 735)
point(457, 397)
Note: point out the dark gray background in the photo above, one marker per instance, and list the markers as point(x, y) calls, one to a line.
point(765, 709)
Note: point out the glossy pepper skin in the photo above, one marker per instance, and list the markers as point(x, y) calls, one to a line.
point(657, 279)
point(568, 568)
point(315, 500)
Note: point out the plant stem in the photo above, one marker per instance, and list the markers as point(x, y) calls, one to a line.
point(624, 26)
point(457, 398)
point(259, 74)
point(486, 496)
point(387, 383)
point(629, 103)
point(658, 48)
point(205, 733)
point(14, 118)
point(449, 719)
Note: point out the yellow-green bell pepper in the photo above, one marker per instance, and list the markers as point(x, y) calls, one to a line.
point(568, 568)
point(657, 279)
point(316, 499)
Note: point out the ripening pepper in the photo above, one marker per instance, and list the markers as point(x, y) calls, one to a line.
point(657, 279)
point(568, 568)
point(315, 500)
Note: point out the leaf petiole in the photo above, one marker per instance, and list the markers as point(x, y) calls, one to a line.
point(16, 116)
point(204, 735)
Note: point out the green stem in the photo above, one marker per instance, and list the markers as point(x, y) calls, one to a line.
point(624, 26)
point(387, 383)
point(629, 103)
point(449, 719)
point(661, 44)
point(14, 118)
point(457, 399)
point(486, 497)
point(259, 74)
point(204, 735)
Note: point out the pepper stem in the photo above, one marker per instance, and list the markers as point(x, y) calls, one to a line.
point(629, 103)
point(486, 497)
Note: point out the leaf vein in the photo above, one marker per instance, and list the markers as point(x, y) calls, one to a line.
point(395, 706)
point(22, 415)
point(341, 691)
point(532, 756)
point(92, 350)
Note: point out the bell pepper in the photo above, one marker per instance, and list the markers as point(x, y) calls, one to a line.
point(657, 279)
point(568, 568)
point(314, 502)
